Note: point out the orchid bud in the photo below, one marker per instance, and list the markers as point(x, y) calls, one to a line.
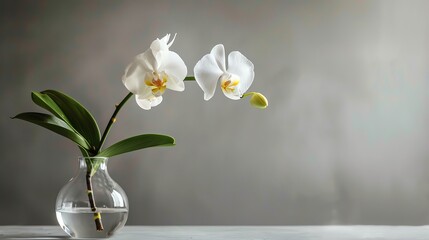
point(258, 101)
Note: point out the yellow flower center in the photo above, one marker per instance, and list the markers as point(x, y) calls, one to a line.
point(158, 83)
point(229, 85)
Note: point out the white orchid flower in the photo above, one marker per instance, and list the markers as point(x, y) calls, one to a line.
point(153, 71)
point(234, 80)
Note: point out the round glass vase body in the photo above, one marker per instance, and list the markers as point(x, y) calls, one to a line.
point(91, 204)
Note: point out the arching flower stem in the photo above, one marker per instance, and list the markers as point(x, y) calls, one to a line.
point(112, 120)
point(117, 109)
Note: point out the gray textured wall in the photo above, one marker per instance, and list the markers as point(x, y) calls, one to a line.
point(344, 141)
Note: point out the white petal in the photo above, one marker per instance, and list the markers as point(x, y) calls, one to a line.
point(232, 95)
point(159, 48)
point(207, 74)
point(239, 65)
point(176, 70)
point(143, 102)
point(147, 61)
point(135, 73)
point(165, 39)
point(133, 79)
point(155, 101)
point(148, 103)
point(218, 52)
point(160, 44)
point(145, 91)
point(175, 84)
point(159, 56)
point(172, 41)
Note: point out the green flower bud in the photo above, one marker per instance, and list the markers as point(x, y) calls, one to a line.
point(258, 101)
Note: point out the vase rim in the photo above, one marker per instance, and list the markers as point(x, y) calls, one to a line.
point(82, 157)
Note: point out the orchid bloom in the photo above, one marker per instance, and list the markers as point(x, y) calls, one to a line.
point(234, 80)
point(153, 71)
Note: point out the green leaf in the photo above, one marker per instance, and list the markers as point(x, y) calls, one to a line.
point(83, 151)
point(54, 124)
point(137, 143)
point(47, 103)
point(77, 116)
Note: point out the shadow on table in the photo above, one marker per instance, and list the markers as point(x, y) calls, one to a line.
point(31, 236)
point(32, 232)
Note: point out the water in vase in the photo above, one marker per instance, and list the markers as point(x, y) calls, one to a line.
point(79, 222)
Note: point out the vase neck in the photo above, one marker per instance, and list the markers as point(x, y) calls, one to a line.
point(98, 162)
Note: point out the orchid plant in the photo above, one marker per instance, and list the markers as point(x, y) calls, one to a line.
point(147, 77)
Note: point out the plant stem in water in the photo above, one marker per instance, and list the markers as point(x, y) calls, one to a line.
point(97, 216)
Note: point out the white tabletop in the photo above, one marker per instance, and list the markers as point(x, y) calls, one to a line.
point(235, 232)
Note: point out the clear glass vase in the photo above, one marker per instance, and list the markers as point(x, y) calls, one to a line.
point(91, 204)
